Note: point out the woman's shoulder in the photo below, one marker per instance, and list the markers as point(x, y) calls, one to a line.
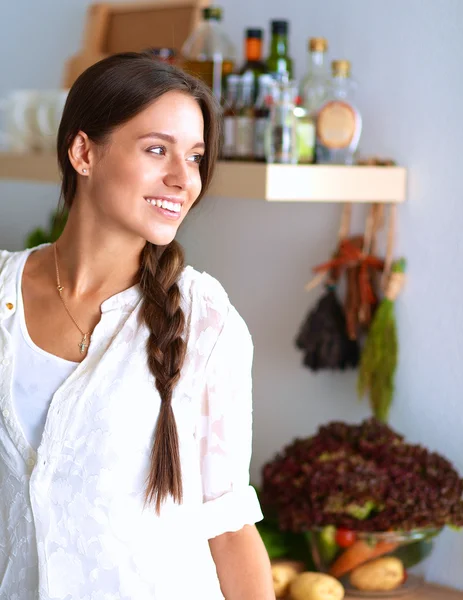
point(11, 262)
point(8, 258)
point(210, 305)
point(205, 290)
point(4, 255)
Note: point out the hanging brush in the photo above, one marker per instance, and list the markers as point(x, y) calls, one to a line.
point(378, 362)
point(323, 335)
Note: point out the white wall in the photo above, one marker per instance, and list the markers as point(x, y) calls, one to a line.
point(407, 59)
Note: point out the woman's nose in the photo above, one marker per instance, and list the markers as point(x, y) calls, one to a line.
point(177, 174)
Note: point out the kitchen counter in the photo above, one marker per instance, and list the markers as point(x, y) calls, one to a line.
point(425, 592)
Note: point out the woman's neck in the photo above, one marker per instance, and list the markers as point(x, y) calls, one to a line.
point(94, 260)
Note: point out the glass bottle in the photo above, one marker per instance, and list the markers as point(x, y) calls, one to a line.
point(254, 65)
point(229, 116)
point(315, 83)
point(339, 123)
point(281, 142)
point(244, 120)
point(262, 115)
point(312, 91)
point(279, 61)
point(208, 52)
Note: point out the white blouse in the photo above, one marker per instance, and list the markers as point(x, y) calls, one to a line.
point(36, 374)
point(73, 524)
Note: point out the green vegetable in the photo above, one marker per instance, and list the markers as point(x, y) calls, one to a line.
point(274, 541)
point(412, 554)
point(327, 544)
point(361, 511)
point(378, 360)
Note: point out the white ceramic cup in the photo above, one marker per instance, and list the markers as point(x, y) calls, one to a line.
point(31, 119)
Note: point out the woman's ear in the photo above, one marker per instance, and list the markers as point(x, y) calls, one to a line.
point(80, 153)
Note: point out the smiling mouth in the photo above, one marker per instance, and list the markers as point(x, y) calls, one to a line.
point(173, 207)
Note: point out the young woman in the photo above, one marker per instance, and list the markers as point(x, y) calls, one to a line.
point(125, 377)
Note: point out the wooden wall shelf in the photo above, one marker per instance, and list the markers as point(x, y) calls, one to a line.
point(274, 183)
point(310, 183)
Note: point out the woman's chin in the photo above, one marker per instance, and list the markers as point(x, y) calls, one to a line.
point(162, 238)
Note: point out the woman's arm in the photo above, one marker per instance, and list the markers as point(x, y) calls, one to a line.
point(243, 565)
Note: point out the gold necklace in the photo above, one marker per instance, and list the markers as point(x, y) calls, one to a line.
point(83, 345)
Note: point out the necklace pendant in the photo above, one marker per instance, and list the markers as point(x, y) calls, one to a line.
point(83, 345)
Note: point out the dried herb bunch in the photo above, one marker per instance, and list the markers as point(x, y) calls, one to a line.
point(363, 477)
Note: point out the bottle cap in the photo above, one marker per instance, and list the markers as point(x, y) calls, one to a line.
point(341, 68)
point(280, 27)
point(254, 33)
point(318, 44)
point(212, 12)
point(163, 54)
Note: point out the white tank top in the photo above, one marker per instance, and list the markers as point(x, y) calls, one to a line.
point(36, 376)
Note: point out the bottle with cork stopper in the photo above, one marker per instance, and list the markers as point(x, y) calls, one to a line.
point(339, 123)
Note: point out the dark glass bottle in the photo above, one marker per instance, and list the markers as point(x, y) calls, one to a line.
point(279, 62)
point(253, 65)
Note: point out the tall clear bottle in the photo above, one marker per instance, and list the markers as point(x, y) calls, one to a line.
point(312, 93)
point(208, 52)
point(262, 115)
point(339, 123)
point(280, 139)
point(315, 83)
point(229, 117)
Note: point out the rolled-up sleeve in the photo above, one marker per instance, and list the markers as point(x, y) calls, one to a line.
point(229, 502)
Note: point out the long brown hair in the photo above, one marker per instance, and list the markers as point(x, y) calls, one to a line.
point(106, 95)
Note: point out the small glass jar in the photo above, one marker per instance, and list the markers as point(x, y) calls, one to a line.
point(281, 134)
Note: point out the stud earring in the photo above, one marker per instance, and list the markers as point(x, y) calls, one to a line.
point(84, 170)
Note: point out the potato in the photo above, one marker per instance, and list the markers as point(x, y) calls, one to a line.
point(380, 575)
point(316, 586)
point(283, 573)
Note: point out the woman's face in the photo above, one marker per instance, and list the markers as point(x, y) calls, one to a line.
point(146, 178)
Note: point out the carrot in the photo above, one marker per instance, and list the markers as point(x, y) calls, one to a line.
point(359, 553)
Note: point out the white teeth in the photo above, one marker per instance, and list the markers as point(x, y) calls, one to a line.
point(172, 206)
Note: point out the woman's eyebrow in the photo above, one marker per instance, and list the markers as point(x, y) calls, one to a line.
point(167, 138)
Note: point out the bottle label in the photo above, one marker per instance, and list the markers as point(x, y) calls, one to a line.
point(228, 149)
point(336, 125)
point(259, 137)
point(305, 141)
point(244, 130)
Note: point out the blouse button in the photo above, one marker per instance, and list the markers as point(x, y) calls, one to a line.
point(6, 413)
point(5, 362)
point(9, 306)
point(30, 462)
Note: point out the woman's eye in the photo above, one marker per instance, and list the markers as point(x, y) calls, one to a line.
point(197, 158)
point(160, 150)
